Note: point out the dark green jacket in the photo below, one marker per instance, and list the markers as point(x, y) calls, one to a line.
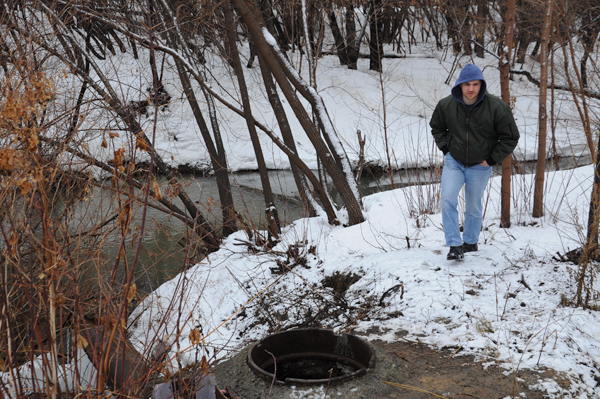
point(487, 131)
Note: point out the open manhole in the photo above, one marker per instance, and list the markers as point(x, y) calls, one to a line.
point(310, 357)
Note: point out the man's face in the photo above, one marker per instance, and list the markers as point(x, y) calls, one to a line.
point(471, 89)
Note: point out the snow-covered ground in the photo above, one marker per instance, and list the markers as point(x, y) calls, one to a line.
point(502, 303)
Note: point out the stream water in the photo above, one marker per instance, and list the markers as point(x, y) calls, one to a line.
point(162, 257)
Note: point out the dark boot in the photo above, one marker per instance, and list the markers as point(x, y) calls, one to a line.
point(456, 253)
point(469, 247)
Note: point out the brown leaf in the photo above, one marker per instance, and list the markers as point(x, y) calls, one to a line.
point(25, 186)
point(195, 337)
point(156, 189)
point(131, 293)
point(142, 144)
point(204, 365)
point(81, 342)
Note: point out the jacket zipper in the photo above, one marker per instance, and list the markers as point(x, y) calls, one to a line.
point(467, 155)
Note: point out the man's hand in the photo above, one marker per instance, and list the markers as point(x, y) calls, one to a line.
point(484, 163)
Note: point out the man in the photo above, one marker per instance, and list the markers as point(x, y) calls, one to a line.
point(474, 130)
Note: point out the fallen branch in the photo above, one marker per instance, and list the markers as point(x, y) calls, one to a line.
point(522, 281)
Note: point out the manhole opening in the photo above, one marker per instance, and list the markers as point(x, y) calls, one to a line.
point(311, 368)
point(310, 357)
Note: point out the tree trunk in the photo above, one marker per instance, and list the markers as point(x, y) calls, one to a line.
point(342, 177)
point(538, 193)
point(505, 90)
point(308, 20)
point(594, 212)
point(288, 139)
point(376, 35)
point(583, 68)
point(309, 44)
point(351, 45)
point(387, 23)
point(217, 158)
point(270, 209)
point(590, 248)
point(529, 21)
point(432, 22)
point(453, 29)
point(217, 154)
point(590, 28)
point(340, 43)
point(272, 22)
point(522, 48)
point(482, 15)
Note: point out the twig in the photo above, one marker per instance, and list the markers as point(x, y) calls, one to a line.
point(543, 342)
point(536, 82)
point(394, 384)
point(401, 356)
point(274, 372)
point(505, 302)
point(452, 355)
point(496, 286)
point(455, 352)
point(328, 382)
point(391, 291)
point(522, 281)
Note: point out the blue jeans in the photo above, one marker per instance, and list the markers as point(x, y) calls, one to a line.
point(454, 176)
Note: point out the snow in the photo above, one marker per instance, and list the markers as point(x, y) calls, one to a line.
point(502, 304)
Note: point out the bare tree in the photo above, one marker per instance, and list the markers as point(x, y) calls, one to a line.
point(529, 21)
point(340, 43)
point(505, 89)
point(457, 19)
point(351, 44)
point(481, 27)
point(47, 251)
point(331, 154)
point(579, 92)
point(270, 209)
point(590, 29)
point(538, 194)
point(376, 35)
point(215, 147)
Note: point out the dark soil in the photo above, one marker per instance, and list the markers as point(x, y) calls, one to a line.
point(448, 374)
point(417, 372)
